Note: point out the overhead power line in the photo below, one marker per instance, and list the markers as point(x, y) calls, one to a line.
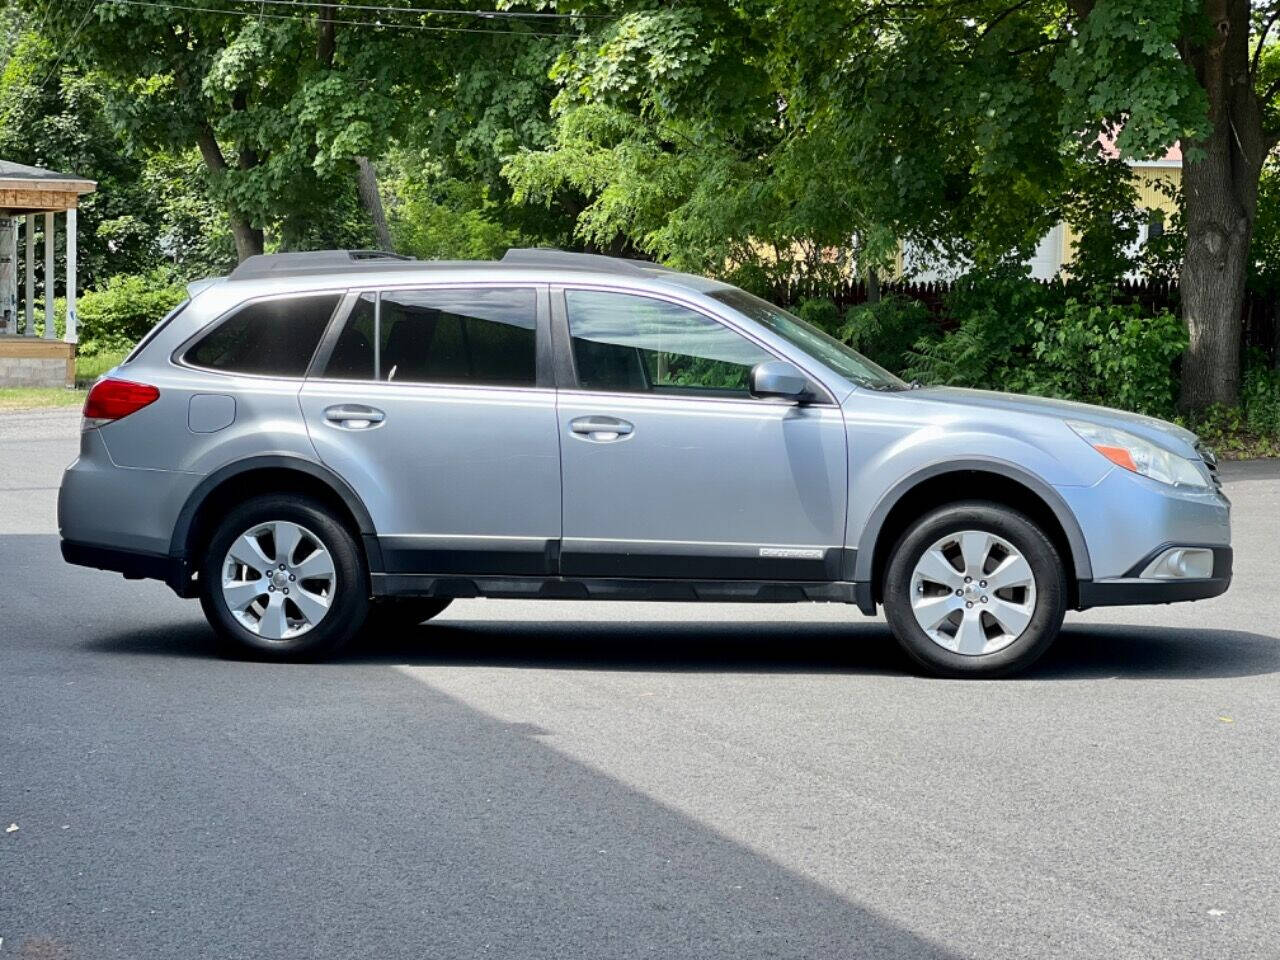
point(375, 24)
point(66, 48)
point(433, 11)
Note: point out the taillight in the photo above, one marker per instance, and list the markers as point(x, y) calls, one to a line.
point(114, 399)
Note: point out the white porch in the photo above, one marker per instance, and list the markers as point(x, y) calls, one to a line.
point(32, 198)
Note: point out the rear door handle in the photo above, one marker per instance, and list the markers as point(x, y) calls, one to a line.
point(600, 428)
point(354, 416)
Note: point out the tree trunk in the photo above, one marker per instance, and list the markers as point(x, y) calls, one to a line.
point(371, 200)
point(1273, 308)
point(249, 239)
point(1212, 283)
point(1221, 195)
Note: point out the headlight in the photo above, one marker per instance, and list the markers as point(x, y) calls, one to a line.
point(1141, 456)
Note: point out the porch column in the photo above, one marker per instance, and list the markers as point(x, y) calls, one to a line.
point(50, 329)
point(31, 274)
point(71, 276)
point(8, 274)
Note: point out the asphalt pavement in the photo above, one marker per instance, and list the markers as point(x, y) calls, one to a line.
point(578, 780)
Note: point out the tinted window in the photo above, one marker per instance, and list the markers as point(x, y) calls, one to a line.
point(480, 336)
point(272, 337)
point(640, 345)
point(155, 331)
point(352, 357)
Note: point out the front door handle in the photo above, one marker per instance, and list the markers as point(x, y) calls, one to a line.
point(600, 428)
point(354, 416)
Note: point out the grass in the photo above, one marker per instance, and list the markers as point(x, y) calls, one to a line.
point(88, 369)
point(1231, 435)
point(38, 398)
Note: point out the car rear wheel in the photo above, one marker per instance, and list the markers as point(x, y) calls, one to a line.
point(975, 589)
point(283, 578)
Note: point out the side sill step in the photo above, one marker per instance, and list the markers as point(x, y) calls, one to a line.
point(562, 588)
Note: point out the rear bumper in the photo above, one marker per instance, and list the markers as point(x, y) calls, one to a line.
point(1133, 590)
point(133, 564)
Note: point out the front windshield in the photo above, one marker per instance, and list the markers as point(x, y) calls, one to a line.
point(827, 349)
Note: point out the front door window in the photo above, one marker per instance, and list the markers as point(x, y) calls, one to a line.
point(635, 344)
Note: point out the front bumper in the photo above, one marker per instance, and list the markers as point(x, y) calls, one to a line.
point(1133, 589)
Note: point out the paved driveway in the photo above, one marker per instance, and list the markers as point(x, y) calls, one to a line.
point(575, 780)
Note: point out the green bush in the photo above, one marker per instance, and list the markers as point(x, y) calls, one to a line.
point(1253, 428)
point(120, 314)
point(991, 342)
point(1018, 335)
point(1260, 396)
point(117, 316)
point(888, 331)
point(823, 314)
point(1107, 353)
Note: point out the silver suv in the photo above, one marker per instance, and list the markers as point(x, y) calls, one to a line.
point(322, 438)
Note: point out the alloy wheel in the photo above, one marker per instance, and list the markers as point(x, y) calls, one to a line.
point(278, 580)
point(973, 592)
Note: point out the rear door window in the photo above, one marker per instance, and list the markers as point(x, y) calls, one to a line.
point(267, 338)
point(484, 336)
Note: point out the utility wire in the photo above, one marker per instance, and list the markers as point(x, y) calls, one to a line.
point(376, 24)
point(44, 17)
point(93, 5)
point(484, 14)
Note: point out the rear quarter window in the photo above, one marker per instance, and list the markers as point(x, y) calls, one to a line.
point(155, 331)
point(274, 338)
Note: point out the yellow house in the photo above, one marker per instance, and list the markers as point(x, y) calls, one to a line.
point(1155, 181)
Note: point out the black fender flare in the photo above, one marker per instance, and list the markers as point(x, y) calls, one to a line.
point(286, 461)
point(875, 521)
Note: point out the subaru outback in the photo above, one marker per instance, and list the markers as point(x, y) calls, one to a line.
point(319, 439)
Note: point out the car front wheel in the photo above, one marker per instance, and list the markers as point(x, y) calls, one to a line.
point(283, 578)
point(975, 589)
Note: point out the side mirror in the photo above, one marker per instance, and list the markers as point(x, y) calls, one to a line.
point(777, 378)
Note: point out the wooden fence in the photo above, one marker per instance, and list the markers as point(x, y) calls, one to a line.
point(1259, 315)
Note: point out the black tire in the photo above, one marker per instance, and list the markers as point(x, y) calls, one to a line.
point(347, 609)
point(404, 613)
point(1021, 533)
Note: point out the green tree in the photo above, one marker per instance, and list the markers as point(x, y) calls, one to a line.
point(54, 117)
point(1201, 71)
point(490, 101)
point(969, 118)
point(710, 132)
point(283, 107)
point(675, 125)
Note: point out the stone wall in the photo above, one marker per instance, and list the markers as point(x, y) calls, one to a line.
point(33, 372)
point(36, 362)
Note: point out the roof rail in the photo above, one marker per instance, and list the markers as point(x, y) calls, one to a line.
point(549, 257)
point(267, 265)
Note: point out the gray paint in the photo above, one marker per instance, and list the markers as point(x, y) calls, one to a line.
point(693, 475)
point(210, 412)
point(871, 531)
